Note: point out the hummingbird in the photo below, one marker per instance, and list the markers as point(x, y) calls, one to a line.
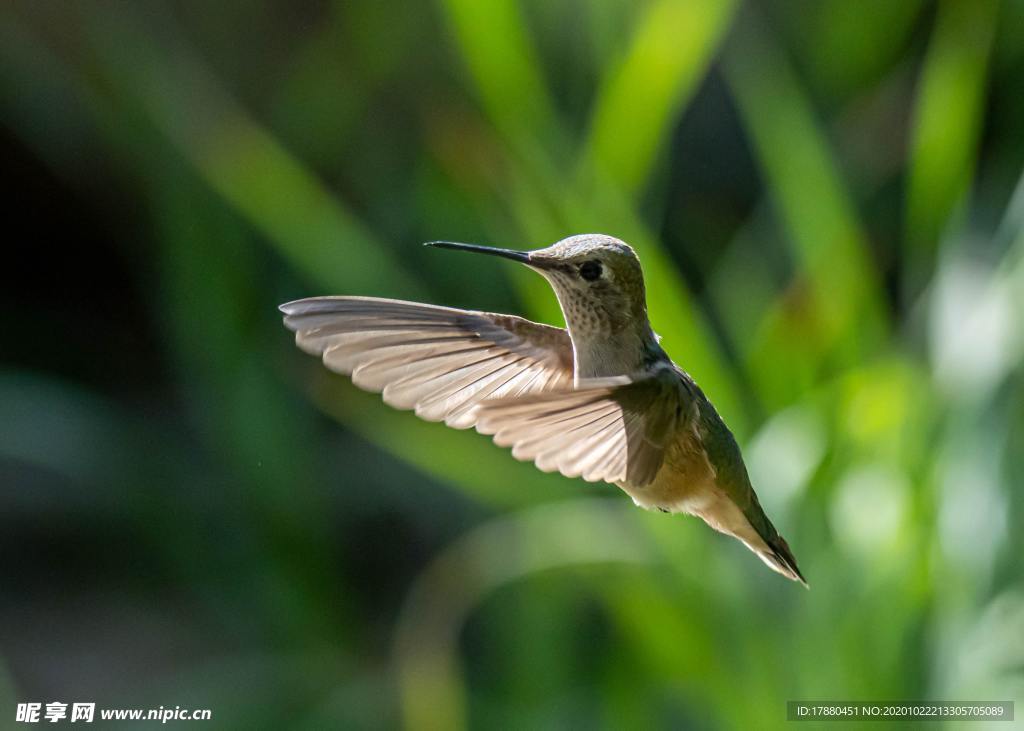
point(599, 399)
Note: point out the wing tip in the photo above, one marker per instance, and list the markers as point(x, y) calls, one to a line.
point(300, 306)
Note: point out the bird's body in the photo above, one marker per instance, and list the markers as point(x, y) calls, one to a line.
point(600, 399)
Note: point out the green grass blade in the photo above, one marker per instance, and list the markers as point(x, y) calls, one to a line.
point(834, 286)
point(493, 42)
point(643, 96)
point(947, 119)
point(244, 163)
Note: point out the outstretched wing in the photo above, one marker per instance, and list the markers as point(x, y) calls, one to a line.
point(616, 432)
point(439, 361)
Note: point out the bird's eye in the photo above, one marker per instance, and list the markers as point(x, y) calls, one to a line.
point(590, 270)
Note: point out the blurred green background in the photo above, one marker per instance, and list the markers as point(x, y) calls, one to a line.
point(828, 201)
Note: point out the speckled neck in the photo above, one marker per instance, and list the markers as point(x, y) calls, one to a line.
point(611, 335)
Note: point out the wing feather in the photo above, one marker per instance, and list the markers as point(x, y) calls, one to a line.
point(613, 433)
point(439, 361)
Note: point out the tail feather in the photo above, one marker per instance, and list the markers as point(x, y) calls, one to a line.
point(781, 559)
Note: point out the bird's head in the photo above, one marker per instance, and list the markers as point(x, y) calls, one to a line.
point(597, 279)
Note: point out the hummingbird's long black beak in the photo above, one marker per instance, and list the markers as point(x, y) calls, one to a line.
point(523, 257)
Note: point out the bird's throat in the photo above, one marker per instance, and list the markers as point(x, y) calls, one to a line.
point(633, 353)
point(610, 333)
